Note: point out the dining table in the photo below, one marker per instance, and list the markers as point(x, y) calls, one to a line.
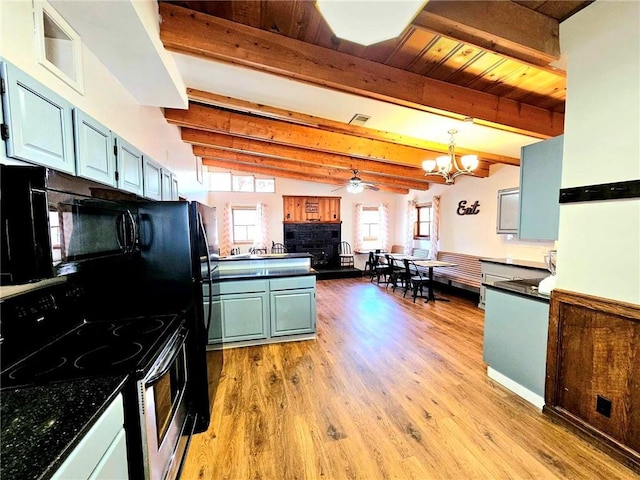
point(430, 265)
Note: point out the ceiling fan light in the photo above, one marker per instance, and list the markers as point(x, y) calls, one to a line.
point(367, 23)
point(355, 188)
point(469, 162)
point(429, 165)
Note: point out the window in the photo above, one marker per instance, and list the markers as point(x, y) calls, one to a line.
point(423, 224)
point(244, 224)
point(370, 224)
point(58, 45)
point(266, 185)
point(220, 181)
point(225, 182)
point(242, 183)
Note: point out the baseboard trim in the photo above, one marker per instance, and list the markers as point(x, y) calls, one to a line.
point(516, 388)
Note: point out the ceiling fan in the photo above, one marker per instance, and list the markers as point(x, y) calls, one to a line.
point(356, 185)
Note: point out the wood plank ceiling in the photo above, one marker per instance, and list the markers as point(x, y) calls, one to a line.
point(488, 60)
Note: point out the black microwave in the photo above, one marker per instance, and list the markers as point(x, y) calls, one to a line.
point(53, 223)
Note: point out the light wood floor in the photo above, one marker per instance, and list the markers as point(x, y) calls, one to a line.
point(389, 390)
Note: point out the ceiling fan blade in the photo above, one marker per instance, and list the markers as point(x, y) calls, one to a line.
point(371, 186)
point(336, 189)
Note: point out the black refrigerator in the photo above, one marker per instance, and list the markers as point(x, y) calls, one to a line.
point(179, 260)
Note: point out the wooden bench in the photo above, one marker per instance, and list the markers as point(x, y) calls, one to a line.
point(467, 271)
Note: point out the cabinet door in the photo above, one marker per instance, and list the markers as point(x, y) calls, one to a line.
point(95, 158)
point(39, 121)
point(129, 164)
point(244, 317)
point(540, 175)
point(101, 448)
point(152, 178)
point(293, 312)
point(166, 184)
point(113, 464)
point(515, 339)
point(174, 187)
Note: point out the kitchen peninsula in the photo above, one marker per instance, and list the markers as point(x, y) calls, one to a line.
point(263, 299)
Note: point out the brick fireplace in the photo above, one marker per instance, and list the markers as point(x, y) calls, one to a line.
point(319, 239)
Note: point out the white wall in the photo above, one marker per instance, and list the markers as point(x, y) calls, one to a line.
point(104, 98)
point(295, 187)
point(599, 242)
point(476, 234)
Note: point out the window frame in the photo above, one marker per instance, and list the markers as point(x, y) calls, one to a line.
point(418, 233)
point(366, 227)
point(249, 241)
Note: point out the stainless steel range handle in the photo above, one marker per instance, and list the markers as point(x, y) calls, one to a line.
point(166, 358)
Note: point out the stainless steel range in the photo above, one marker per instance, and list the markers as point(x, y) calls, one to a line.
point(150, 349)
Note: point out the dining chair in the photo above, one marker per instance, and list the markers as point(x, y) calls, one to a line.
point(398, 274)
point(417, 279)
point(345, 254)
point(369, 266)
point(278, 248)
point(257, 251)
point(235, 251)
point(397, 249)
point(384, 269)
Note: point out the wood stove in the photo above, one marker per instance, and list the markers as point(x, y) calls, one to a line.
point(321, 240)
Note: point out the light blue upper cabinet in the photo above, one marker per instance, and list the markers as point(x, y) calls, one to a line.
point(152, 178)
point(174, 188)
point(95, 156)
point(129, 167)
point(166, 184)
point(540, 176)
point(39, 122)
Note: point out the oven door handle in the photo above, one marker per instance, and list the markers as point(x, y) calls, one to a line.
point(163, 367)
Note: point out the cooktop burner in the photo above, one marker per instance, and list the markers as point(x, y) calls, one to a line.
point(114, 347)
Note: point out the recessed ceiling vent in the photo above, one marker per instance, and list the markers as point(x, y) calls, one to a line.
point(359, 119)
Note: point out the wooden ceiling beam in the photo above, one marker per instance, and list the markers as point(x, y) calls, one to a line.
point(215, 120)
point(183, 30)
point(255, 147)
point(331, 125)
point(505, 28)
point(311, 169)
point(273, 172)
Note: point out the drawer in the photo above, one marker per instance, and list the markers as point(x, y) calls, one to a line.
point(244, 286)
point(291, 283)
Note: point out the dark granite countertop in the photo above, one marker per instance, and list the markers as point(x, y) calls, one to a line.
point(517, 263)
point(264, 256)
point(42, 425)
point(527, 287)
point(264, 273)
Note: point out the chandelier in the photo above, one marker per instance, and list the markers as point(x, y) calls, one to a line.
point(444, 165)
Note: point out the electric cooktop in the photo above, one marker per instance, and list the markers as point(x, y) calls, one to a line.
point(64, 345)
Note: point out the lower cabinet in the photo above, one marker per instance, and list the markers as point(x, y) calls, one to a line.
point(244, 316)
point(515, 343)
point(293, 308)
point(102, 453)
point(258, 310)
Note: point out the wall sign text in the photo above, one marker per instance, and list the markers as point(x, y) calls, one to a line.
point(463, 209)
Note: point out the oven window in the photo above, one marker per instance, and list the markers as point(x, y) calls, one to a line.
point(167, 393)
